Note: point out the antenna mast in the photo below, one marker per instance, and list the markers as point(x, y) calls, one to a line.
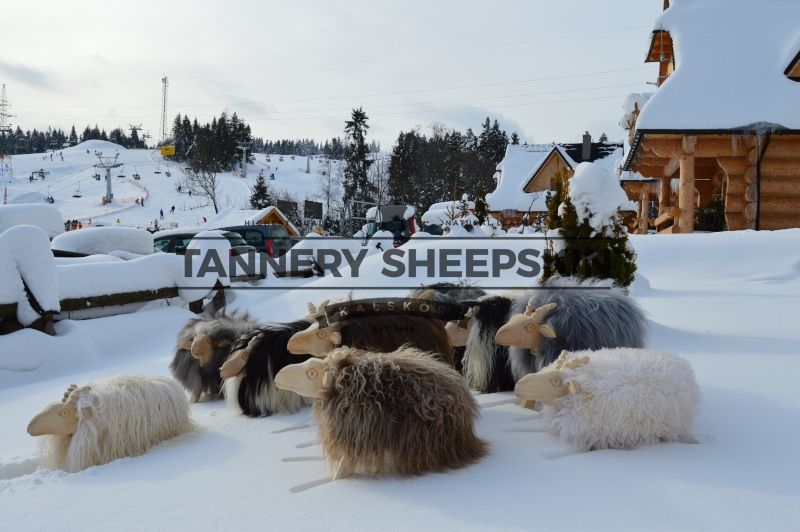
point(5, 134)
point(164, 85)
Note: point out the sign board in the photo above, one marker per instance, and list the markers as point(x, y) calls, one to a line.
point(289, 208)
point(312, 209)
point(167, 150)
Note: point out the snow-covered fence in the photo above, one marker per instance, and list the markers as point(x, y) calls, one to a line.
point(34, 290)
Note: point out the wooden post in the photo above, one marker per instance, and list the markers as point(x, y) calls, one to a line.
point(644, 212)
point(664, 195)
point(686, 189)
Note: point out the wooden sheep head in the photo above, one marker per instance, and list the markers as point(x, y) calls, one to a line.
point(458, 331)
point(548, 385)
point(59, 419)
point(238, 359)
point(526, 329)
point(308, 379)
point(315, 341)
point(202, 348)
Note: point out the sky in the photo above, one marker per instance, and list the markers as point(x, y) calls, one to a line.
point(548, 70)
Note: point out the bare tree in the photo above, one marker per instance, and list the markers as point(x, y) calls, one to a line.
point(203, 183)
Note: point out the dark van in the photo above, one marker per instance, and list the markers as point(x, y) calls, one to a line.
point(271, 239)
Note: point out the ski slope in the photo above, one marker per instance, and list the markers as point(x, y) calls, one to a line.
point(728, 302)
point(75, 173)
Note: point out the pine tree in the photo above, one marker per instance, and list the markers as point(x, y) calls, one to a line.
point(580, 251)
point(481, 209)
point(260, 197)
point(358, 190)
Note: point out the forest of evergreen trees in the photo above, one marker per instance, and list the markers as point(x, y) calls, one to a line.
point(332, 148)
point(425, 169)
point(22, 142)
point(211, 146)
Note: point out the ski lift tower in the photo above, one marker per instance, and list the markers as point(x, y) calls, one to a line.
point(244, 146)
point(107, 163)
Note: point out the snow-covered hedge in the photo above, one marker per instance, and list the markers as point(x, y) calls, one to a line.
point(26, 259)
point(104, 240)
point(46, 217)
point(91, 279)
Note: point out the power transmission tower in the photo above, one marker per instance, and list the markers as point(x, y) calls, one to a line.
point(164, 85)
point(5, 135)
point(244, 146)
point(107, 163)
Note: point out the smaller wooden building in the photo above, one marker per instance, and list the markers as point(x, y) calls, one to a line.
point(268, 215)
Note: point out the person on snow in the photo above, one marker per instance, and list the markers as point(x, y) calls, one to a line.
point(172, 210)
point(161, 212)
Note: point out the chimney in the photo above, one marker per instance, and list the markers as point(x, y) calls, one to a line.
point(586, 148)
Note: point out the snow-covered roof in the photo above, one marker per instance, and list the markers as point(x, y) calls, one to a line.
point(453, 205)
point(730, 63)
point(515, 171)
point(231, 217)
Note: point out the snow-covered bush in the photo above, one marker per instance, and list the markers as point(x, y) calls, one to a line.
point(589, 238)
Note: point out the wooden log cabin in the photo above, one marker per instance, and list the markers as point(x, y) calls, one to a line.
point(725, 118)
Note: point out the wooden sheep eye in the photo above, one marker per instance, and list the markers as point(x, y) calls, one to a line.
point(320, 334)
point(530, 327)
point(556, 381)
point(64, 412)
point(312, 374)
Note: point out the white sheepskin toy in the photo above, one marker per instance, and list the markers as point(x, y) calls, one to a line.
point(616, 398)
point(101, 422)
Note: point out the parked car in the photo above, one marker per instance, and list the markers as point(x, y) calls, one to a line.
point(397, 219)
point(176, 241)
point(271, 239)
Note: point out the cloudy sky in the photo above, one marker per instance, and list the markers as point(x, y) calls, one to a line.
point(546, 69)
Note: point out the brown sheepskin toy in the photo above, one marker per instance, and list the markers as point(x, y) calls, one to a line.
point(400, 413)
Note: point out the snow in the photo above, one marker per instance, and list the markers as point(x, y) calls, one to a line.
point(634, 103)
point(103, 240)
point(728, 318)
point(519, 165)
point(438, 216)
point(730, 63)
point(595, 190)
point(46, 217)
point(26, 260)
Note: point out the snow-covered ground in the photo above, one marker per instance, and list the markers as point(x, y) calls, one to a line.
point(160, 192)
point(728, 302)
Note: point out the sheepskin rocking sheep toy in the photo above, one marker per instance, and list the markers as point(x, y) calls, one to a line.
point(203, 345)
point(616, 398)
point(399, 413)
point(123, 416)
point(250, 370)
point(568, 314)
point(375, 333)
